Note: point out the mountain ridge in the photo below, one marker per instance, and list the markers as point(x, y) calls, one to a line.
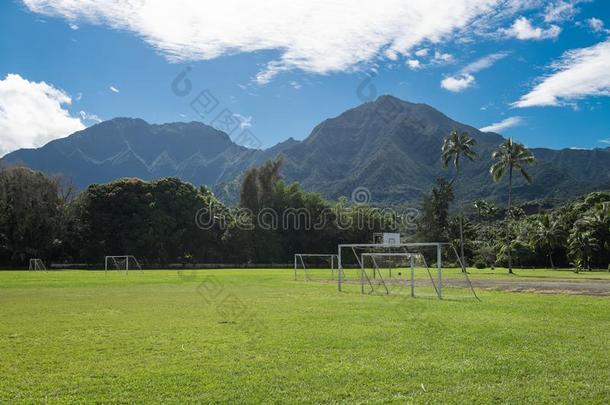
point(390, 146)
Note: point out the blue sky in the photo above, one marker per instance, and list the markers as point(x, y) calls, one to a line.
point(539, 69)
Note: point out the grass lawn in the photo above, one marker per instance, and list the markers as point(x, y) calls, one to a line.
point(252, 336)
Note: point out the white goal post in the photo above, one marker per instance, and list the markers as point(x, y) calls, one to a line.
point(37, 265)
point(351, 256)
point(325, 263)
point(125, 262)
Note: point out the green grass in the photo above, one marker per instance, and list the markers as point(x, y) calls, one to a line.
point(252, 336)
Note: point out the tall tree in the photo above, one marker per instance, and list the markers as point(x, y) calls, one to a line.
point(548, 235)
point(455, 147)
point(434, 222)
point(249, 191)
point(31, 215)
point(258, 185)
point(510, 157)
point(581, 245)
point(597, 221)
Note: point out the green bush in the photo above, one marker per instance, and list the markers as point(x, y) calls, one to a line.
point(480, 264)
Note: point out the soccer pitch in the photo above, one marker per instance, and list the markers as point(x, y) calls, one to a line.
point(252, 336)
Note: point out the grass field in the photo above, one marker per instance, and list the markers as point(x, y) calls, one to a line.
point(251, 336)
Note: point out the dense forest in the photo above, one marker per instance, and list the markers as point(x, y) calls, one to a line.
point(170, 221)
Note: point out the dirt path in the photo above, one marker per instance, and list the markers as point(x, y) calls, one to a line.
point(558, 286)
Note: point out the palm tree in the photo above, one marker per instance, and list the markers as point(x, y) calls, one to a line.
point(596, 221)
point(455, 146)
point(548, 234)
point(486, 209)
point(510, 156)
point(581, 245)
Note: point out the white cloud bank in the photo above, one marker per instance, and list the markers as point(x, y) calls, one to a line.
point(523, 29)
point(577, 74)
point(32, 114)
point(317, 36)
point(465, 78)
point(502, 125)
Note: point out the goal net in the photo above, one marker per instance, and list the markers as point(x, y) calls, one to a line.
point(125, 263)
point(414, 269)
point(37, 265)
point(315, 267)
point(404, 273)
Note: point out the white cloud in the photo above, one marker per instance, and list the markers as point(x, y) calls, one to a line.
point(85, 116)
point(73, 26)
point(484, 62)
point(457, 83)
point(32, 114)
point(440, 57)
point(523, 29)
point(465, 78)
point(244, 122)
point(414, 64)
point(502, 125)
point(561, 10)
point(316, 36)
point(295, 85)
point(597, 25)
point(390, 54)
point(606, 141)
point(114, 89)
point(577, 74)
point(422, 52)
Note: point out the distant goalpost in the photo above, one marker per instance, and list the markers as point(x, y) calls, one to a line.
point(388, 267)
point(37, 265)
point(315, 266)
point(126, 262)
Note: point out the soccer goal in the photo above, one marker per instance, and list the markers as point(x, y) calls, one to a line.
point(121, 263)
point(315, 266)
point(422, 269)
point(37, 265)
point(398, 272)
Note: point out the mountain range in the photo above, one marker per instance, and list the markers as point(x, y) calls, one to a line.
point(390, 146)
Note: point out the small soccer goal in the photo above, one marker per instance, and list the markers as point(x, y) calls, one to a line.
point(37, 265)
point(120, 263)
point(315, 267)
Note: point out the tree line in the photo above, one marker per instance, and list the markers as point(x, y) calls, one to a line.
point(575, 235)
point(160, 221)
